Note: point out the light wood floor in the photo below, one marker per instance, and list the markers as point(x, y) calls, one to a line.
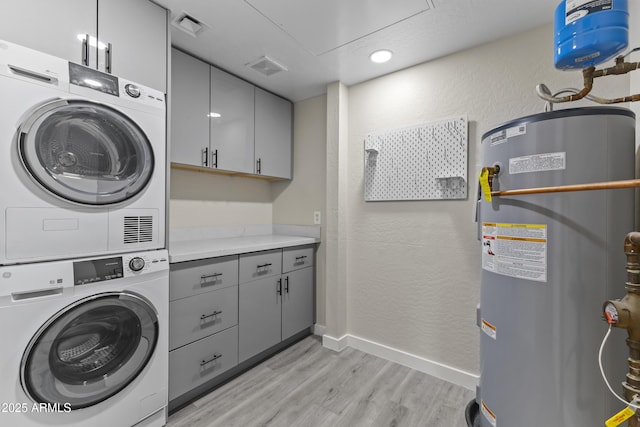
point(308, 385)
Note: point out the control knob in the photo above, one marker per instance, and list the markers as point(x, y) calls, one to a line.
point(132, 90)
point(136, 264)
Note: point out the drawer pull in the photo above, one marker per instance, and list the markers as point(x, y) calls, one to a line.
point(213, 276)
point(264, 266)
point(300, 259)
point(206, 316)
point(213, 359)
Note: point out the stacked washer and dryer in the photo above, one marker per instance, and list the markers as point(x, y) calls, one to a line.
point(83, 269)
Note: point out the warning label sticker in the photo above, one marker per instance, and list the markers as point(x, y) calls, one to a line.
point(538, 163)
point(490, 416)
point(577, 9)
point(505, 134)
point(489, 329)
point(515, 250)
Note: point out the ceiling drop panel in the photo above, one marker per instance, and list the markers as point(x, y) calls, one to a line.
point(322, 26)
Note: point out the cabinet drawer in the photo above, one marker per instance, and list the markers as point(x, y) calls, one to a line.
point(201, 315)
point(259, 265)
point(199, 362)
point(197, 277)
point(297, 257)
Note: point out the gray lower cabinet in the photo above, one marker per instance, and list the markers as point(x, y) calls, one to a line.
point(260, 316)
point(297, 302)
point(201, 361)
point(203, 322)
point(224, 311)
point(274, 308)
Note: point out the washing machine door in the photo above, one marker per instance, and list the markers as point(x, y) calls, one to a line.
point(85, 152)
point(90, 350)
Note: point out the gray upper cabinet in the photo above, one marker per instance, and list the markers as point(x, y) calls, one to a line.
point(242, 130)
point(135, 30)
point(54, 27)
point(273, 135)
point(189, 110)
point(232, 122)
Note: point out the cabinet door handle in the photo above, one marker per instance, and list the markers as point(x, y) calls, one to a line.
point(213, 359)
point(279, 288)
point(286, 286)
point(205, 156)
point(214, 159)
point(107, 58)
point(259, 166)
point(85, 50)
point(214, 314)
point(214, 276)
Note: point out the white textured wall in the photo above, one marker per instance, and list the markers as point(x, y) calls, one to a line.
point(337, 233)
point(413, 268)
point(295, 201)
point(200, 199)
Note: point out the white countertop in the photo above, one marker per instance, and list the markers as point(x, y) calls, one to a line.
point(192, 249)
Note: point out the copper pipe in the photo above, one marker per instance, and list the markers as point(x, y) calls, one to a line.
point(591, 73)
point(587, 74)
point(612, 185)
point(628, 317)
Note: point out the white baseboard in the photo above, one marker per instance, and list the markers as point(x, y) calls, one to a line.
point(335, 344)
point(319, 330)
point(436, 369)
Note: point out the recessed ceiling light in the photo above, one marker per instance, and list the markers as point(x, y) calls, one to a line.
point(380, 56)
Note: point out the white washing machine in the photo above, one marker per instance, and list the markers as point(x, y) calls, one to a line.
point(85, 342)
point(82, 160)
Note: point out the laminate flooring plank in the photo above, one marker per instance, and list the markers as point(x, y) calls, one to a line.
point(267, 403)
point(335, 395)
point(307, 385)
point(314, 389)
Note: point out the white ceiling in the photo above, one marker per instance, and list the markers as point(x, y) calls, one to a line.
point(323, 41)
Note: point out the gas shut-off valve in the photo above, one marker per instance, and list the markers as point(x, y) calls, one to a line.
point(625, 313)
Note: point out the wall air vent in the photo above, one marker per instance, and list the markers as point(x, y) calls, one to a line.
point(266, 66)
point(138, 229)
point(188, 24)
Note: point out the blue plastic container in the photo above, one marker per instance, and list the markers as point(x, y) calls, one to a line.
point(590, 32)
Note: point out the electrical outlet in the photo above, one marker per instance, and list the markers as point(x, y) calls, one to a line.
point(317, 219)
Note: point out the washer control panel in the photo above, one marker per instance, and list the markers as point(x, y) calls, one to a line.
point(87, 271)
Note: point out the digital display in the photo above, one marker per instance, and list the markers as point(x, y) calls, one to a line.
point(93, 79)
point(97, 270)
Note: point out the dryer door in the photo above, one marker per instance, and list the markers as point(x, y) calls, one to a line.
point(85, 152)
point(90, 350)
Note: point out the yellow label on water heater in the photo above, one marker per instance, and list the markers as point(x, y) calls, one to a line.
point(484, 184)
point(620, 417)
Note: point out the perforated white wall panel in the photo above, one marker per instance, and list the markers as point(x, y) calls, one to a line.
point(422, 162)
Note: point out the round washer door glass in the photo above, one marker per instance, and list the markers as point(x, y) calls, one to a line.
point(90, 350)
point(85, 152)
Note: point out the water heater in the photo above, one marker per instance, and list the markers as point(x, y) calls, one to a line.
point(548, 263)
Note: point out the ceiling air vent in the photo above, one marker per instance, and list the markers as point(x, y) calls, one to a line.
point(188, 24)
point(266, 66)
